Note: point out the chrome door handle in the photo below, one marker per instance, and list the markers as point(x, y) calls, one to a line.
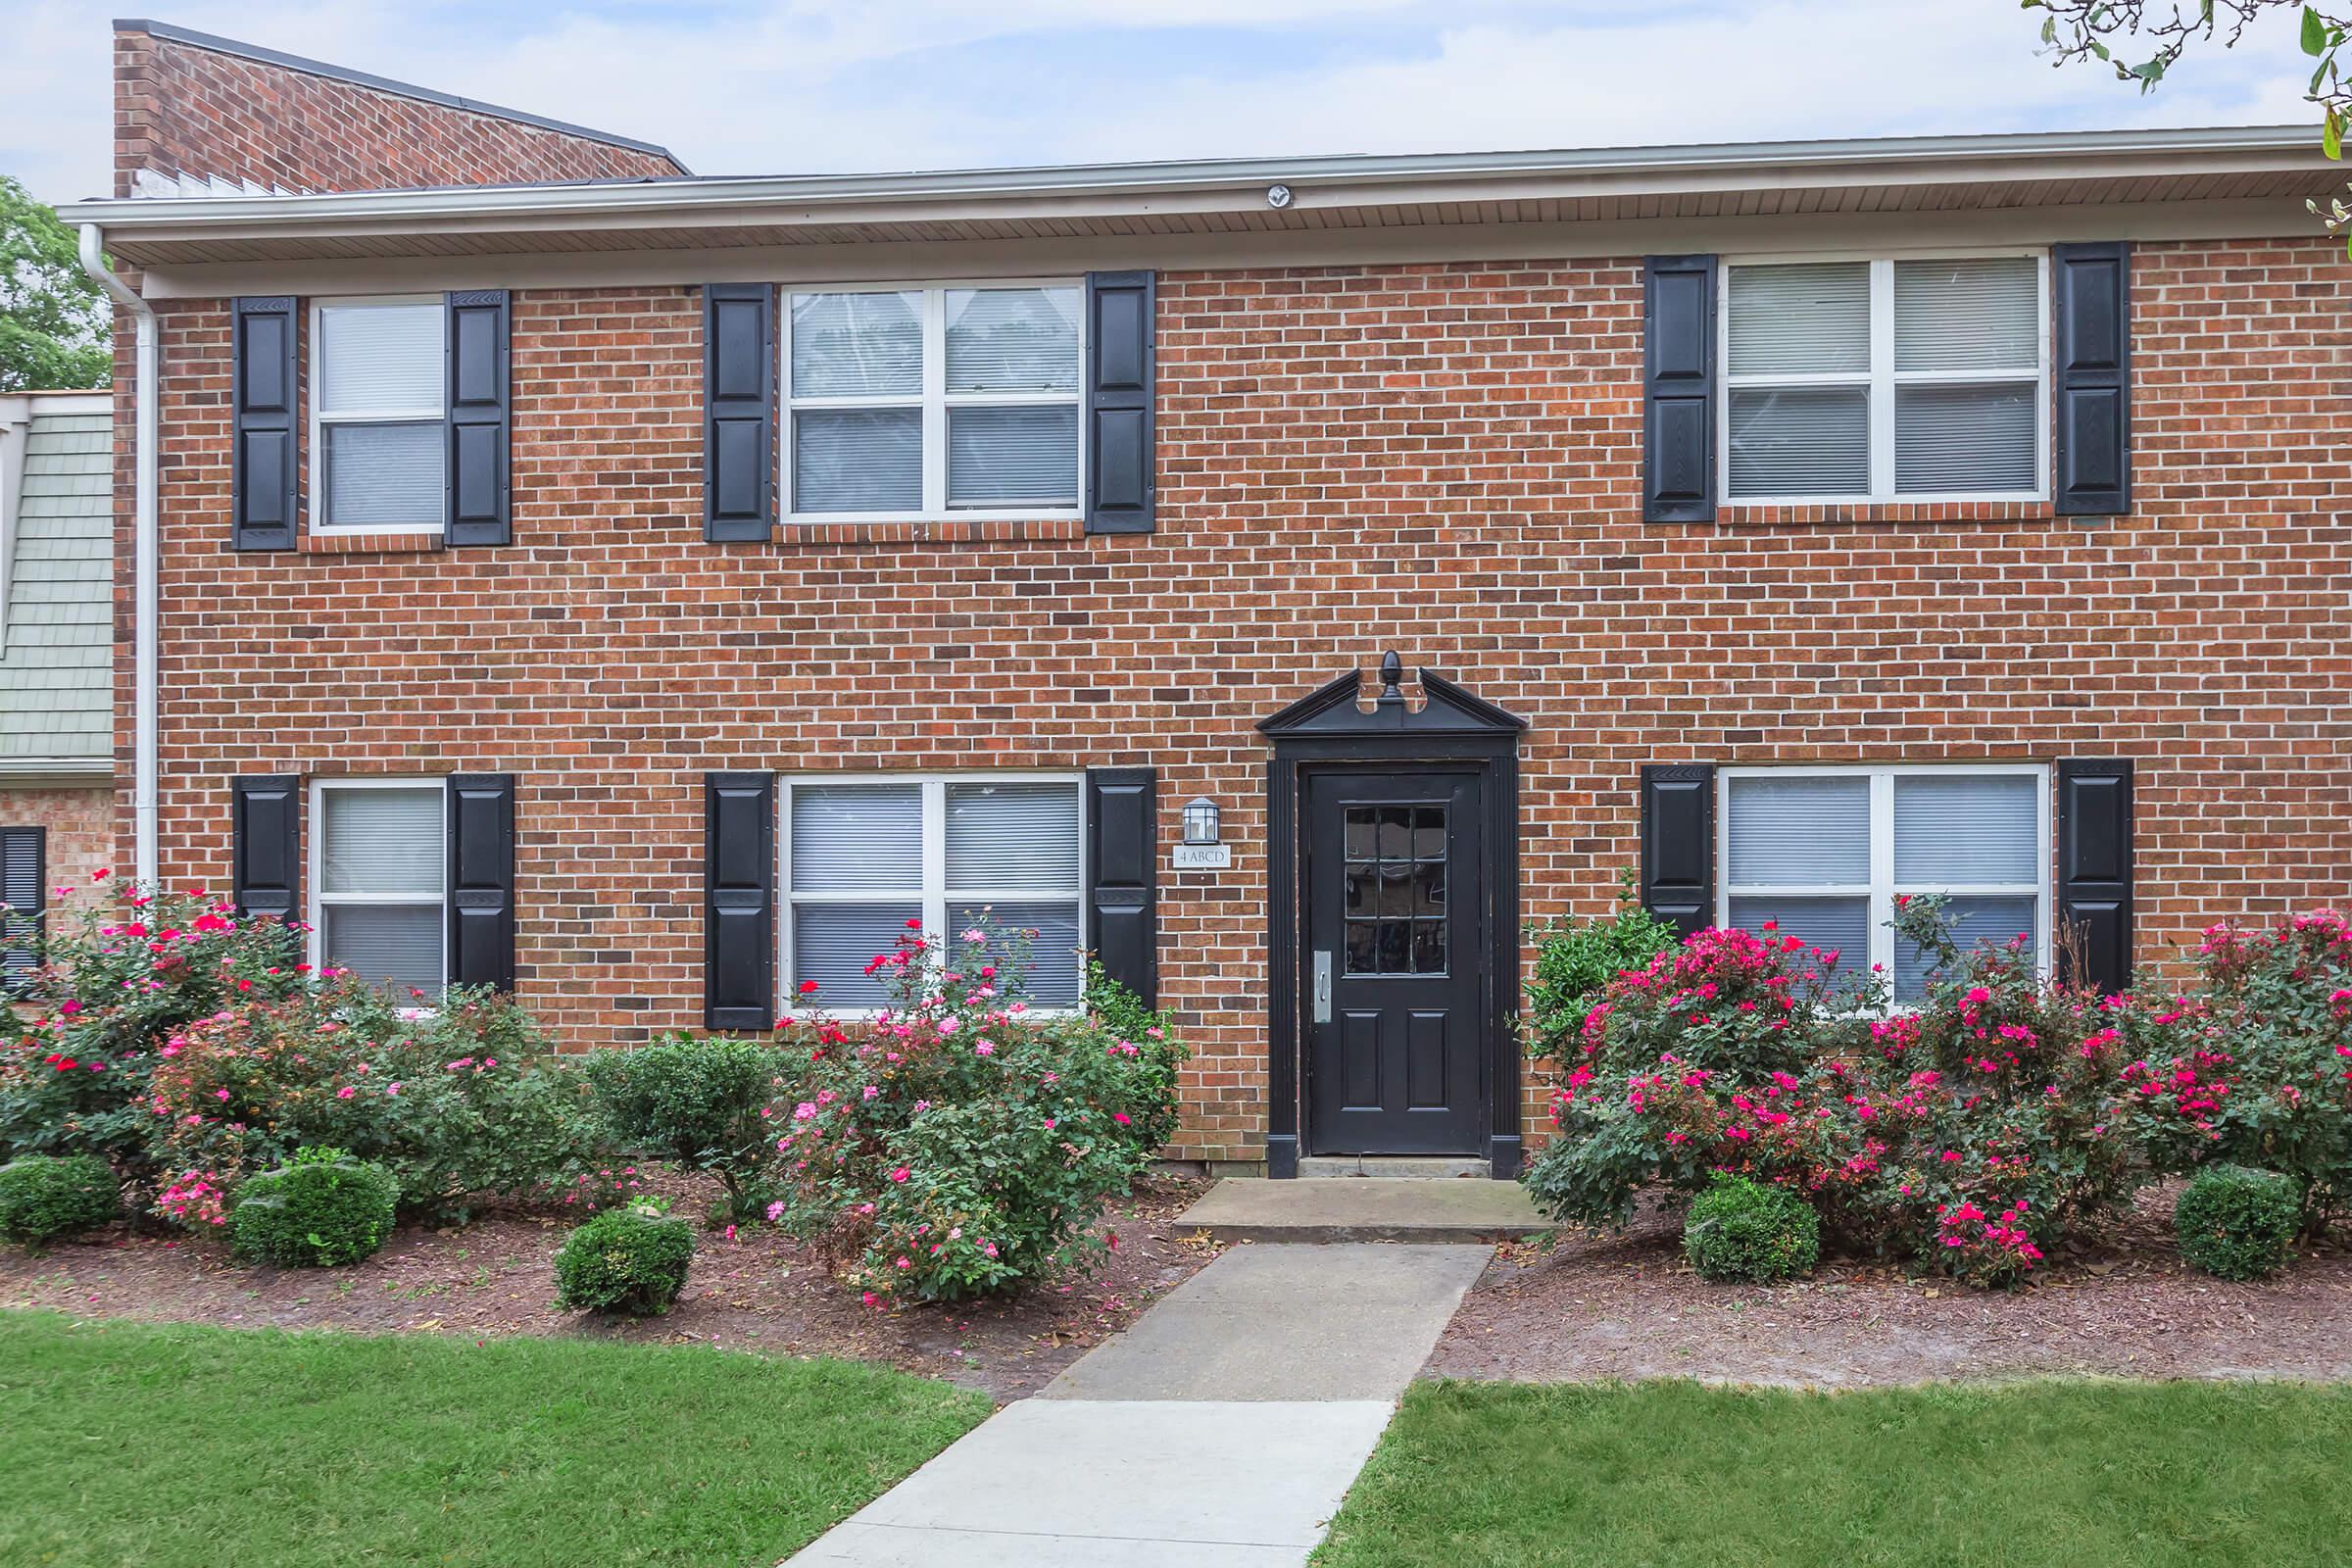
point(1322, 988)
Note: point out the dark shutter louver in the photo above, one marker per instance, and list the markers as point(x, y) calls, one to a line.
point(24, 889)
point(264, 837)
point(1122, 927)
point(481, 880)
point(1120, 464)
point(2095, 874)
point(1678, 389)
point(1677, 844)
point(2092, 442)
point(480, 490)
point(739, 900)
point(262, 409)
point(739, 410)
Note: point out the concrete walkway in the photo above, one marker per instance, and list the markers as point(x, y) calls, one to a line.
point(1364, 1208)
point(1221, 1430)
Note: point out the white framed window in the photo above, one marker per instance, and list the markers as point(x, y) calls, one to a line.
point(379, 868)
point(1886, 378)
point(955, 400)
point(1825, 851)
point(379, 396)
point(863, 854)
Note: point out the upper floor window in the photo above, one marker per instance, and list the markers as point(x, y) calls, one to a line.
point(933, 401)
point(379, 382)
point(1825, 852)
point(380, 869)
point(1909, 378)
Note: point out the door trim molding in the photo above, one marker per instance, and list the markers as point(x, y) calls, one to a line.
point(1329, 729)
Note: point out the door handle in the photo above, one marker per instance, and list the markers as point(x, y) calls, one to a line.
point(1322, 988)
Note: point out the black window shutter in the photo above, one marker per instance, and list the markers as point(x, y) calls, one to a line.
point(480, 485)
point(263, 436)
point(264, 837)
point(1122, 928)
point(1678, 389)
point(24, 889)
point(481, 880)
point(2092, 442)
point(1677, 844)
point(739, 410)
point(739, 900)
point(2094, 871)
point(1120, 464)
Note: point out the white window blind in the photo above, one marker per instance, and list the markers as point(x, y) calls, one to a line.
point(926, 401)
point(1874, 379)
point(869, 855)
point(381, 873)
point(1825, 854)
point(379, 396)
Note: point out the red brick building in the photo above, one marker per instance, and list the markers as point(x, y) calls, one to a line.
point(652, 590)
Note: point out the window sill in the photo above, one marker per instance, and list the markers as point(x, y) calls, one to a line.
point(359, 542)
point(1789, 514)
point(928, 531)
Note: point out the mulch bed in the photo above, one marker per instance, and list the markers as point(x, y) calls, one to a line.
point(762, 1292)
point(1628, 1306)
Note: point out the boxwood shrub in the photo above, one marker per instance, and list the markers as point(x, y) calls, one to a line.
point(1740, 1230)
point(47, 1196)
point(2237, 1223)
point(630, 1260)
point(320, 1209)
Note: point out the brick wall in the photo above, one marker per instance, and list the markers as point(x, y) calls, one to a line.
point(81, 829)
point(1441, 458)
point(183, 109)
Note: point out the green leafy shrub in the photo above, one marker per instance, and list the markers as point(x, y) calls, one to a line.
point(47, 1196)
point(630, 1260)
point(1739, 1230)
point(1156, 1056)
point(2237, 1223)
point(702, 1103)
point(320, 1209)
point(1576, 958)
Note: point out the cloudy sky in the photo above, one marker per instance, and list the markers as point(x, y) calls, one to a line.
point(761, 86)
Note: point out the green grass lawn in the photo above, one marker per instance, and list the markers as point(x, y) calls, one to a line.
point(198, 1446)
point(1660, 1475)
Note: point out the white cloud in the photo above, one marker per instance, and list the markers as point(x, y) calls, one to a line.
point(741, 86)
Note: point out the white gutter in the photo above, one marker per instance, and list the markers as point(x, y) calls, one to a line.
point(146, 570)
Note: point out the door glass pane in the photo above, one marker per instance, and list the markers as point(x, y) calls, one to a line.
point(833, 943)
point(385, 474)
point(381, 841)
point(1004, 457)
point(1012, 339)
point(381, 359)
point(1800, 440)
point(1393, 890)
point(1050, 933)
point(856, 345)
point(1799, 831)
point(1990, 921)
point(1964, 828)
point(858, 459)
point(396, 946)
point(1830, 925)
point(850, 836)
point(1803, 319)
point(1017, 835)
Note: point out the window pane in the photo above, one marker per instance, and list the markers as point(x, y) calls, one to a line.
point(1004, 456)
point(1800, 831)
point(1964, 438)
point(381, 359)
point(1800, 441)
point(858, 459)
point(1012, 836)
point(833, 943)
point(1013, 340)
point(1833, 925)
point(1050, 931)
point(381, 841)
point(1963, 828)
point(385, 473)
point(856, 345)
point(396, 946)
point(848, 836)
point(1811, 319)
point(1992, 921)
point(1973, 314)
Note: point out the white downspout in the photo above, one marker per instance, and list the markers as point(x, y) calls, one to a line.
point(146, 570)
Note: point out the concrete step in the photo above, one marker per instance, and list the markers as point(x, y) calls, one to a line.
point(1426, 1166)
point(1367, 1208)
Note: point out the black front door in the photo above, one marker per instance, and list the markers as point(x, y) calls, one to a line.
point(1396, 1034)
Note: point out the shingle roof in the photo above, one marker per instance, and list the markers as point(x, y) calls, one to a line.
point(57, 669)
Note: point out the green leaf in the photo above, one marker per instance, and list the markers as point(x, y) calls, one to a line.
point(2315, 32)
point(2331, 136)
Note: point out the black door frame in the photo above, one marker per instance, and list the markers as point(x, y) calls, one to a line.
point(1330, 730)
